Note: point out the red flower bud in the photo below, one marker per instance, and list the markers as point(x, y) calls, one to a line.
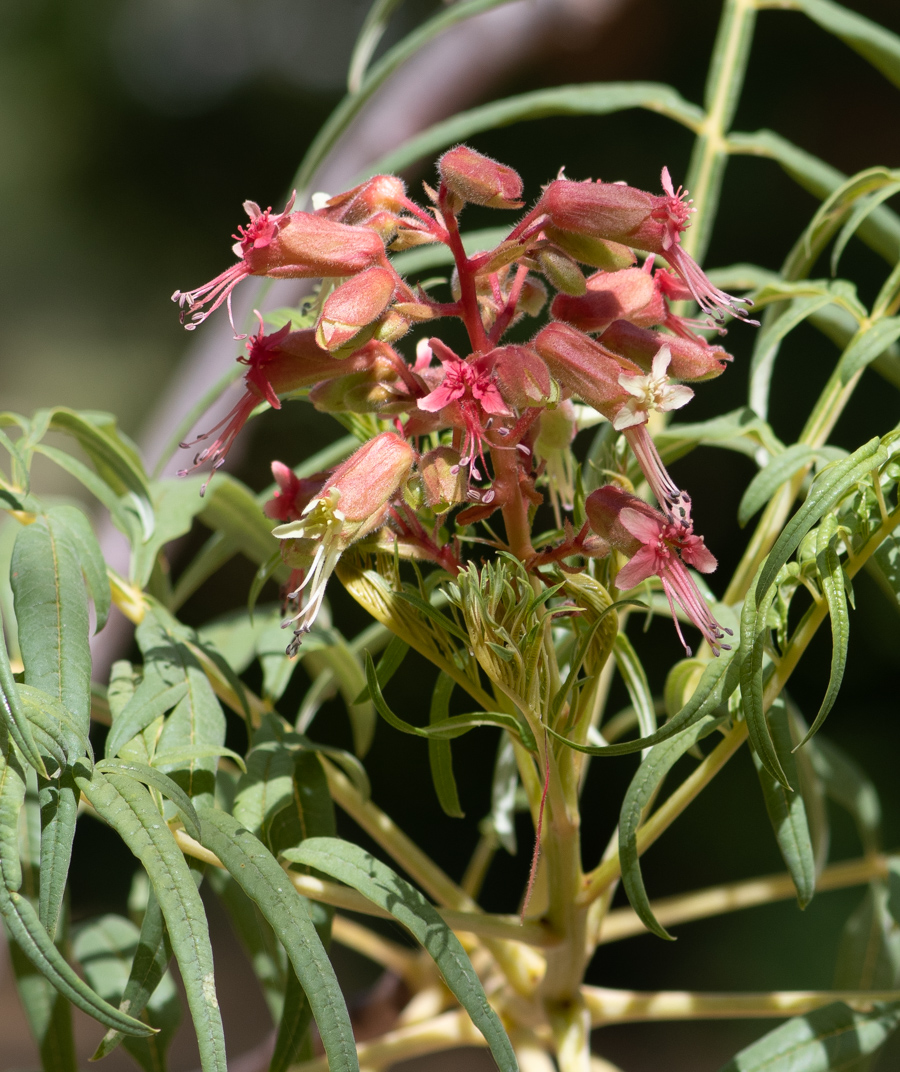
point(584, 367)
point(691, 360)
point(355, 304)
point(480, 180)
point(626, 295)
point(522, 377)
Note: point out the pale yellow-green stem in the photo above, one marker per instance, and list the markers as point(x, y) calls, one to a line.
point(621, 1006)
point(570, 1023)
point(442, 1033)
point(391, 955)
point(733, 896)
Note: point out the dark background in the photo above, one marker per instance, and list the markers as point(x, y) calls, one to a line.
point(132, 130)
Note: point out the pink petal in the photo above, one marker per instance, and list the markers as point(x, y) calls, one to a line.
point(642, 565)
point(643, 528)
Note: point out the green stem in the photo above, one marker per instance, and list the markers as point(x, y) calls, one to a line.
point(728, 66)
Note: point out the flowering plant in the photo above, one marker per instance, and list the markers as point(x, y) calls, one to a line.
point(477, 526)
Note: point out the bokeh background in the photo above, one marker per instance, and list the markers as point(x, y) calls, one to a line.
point(131, 132)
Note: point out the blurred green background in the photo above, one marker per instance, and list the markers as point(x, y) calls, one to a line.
point(131, 132)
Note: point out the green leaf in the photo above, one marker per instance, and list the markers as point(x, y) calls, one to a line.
point(869, 952)
point(124, 520)
point(147, 972)
point(93, 565)
point(390, 662)
point(231, 508)
point(13, 714)
point(786, 808)
point(52, 615)
point(292, 1043)
point(863, 209)
point(262, 879)
point(156, 780)
point(660, 760)
point(373, 28)
point(504, 785)
point(742, 430)
point(447, 728)
point(848, 785)
point(880, 231)
point(176, 503)
point(829, 487)
point(377, 882)
point(831, 575)
point(777, 471)
point(868, 343)
point(197, 718)
point(347, 669)
point(178, 757)
point(23, 922)
point(115, 458)
point(755, 629)
point(824, 1040)
point(262, 947)
point(105, 948)
point(440, 758)
point(152, 698)
point(717, 683)
point(130, 811)
point(768, 343)
point(873, 42)
point(599, 98)
point(632, 671)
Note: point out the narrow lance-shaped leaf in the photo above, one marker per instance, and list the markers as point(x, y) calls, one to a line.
point(755, 629)
point(49, 1013)
point(825, 1040)
point(829, 487)
point(376, 881)
point(659, 761)
point(786, 808)
point(635, 678)
point(148, 966)
point(778, 470)
point(847, 784)
point(13, 715)
point(52, 614)
point(93, 565)
point(263, 880)
point(22, 921)
point(447, 728)
point(831, 574)
point(440, 758)
point(106, 948)
point(716, 684)
point(130, 811)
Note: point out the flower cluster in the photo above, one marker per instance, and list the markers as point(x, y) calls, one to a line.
point(481, 430)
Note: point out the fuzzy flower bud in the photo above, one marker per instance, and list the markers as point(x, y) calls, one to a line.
point(443, 478)
point(691, 359)
point(353, 503)
point(380, 194)
point(354, 305)
point(479, 180)
point(584, 367)
point(626, 295)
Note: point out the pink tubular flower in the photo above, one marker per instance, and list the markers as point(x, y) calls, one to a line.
point(629, 294)
point(289, 245)
point(641, 220)
point(468, 390)
point(354, 502)
point(657, 546)
point(278, 363)
point(650, 392)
